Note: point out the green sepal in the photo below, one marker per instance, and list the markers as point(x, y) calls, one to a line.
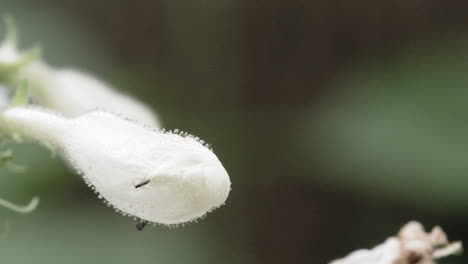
point(21, 95)
point(8, 71)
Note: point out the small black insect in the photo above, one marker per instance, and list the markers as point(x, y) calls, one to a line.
point(141, 184)
point(141, 224)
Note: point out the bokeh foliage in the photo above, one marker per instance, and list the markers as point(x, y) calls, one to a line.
point(338, 121)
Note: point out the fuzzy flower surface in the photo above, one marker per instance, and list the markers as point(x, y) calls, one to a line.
point(68, 91)
point(156, 176)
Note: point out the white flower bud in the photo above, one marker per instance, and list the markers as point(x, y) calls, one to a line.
point(67, 91)
point(73, 93)
point(8, 54)
point(412, 245)
point(386, 253)
point(157, 176)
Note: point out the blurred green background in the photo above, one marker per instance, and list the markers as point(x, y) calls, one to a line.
point(338, 121)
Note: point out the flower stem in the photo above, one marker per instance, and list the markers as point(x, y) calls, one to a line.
point(31, 206)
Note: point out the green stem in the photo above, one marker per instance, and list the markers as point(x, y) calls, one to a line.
point(21, 209)
point(11, 37)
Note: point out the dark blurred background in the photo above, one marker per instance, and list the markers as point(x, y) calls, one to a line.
point(338, 121)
